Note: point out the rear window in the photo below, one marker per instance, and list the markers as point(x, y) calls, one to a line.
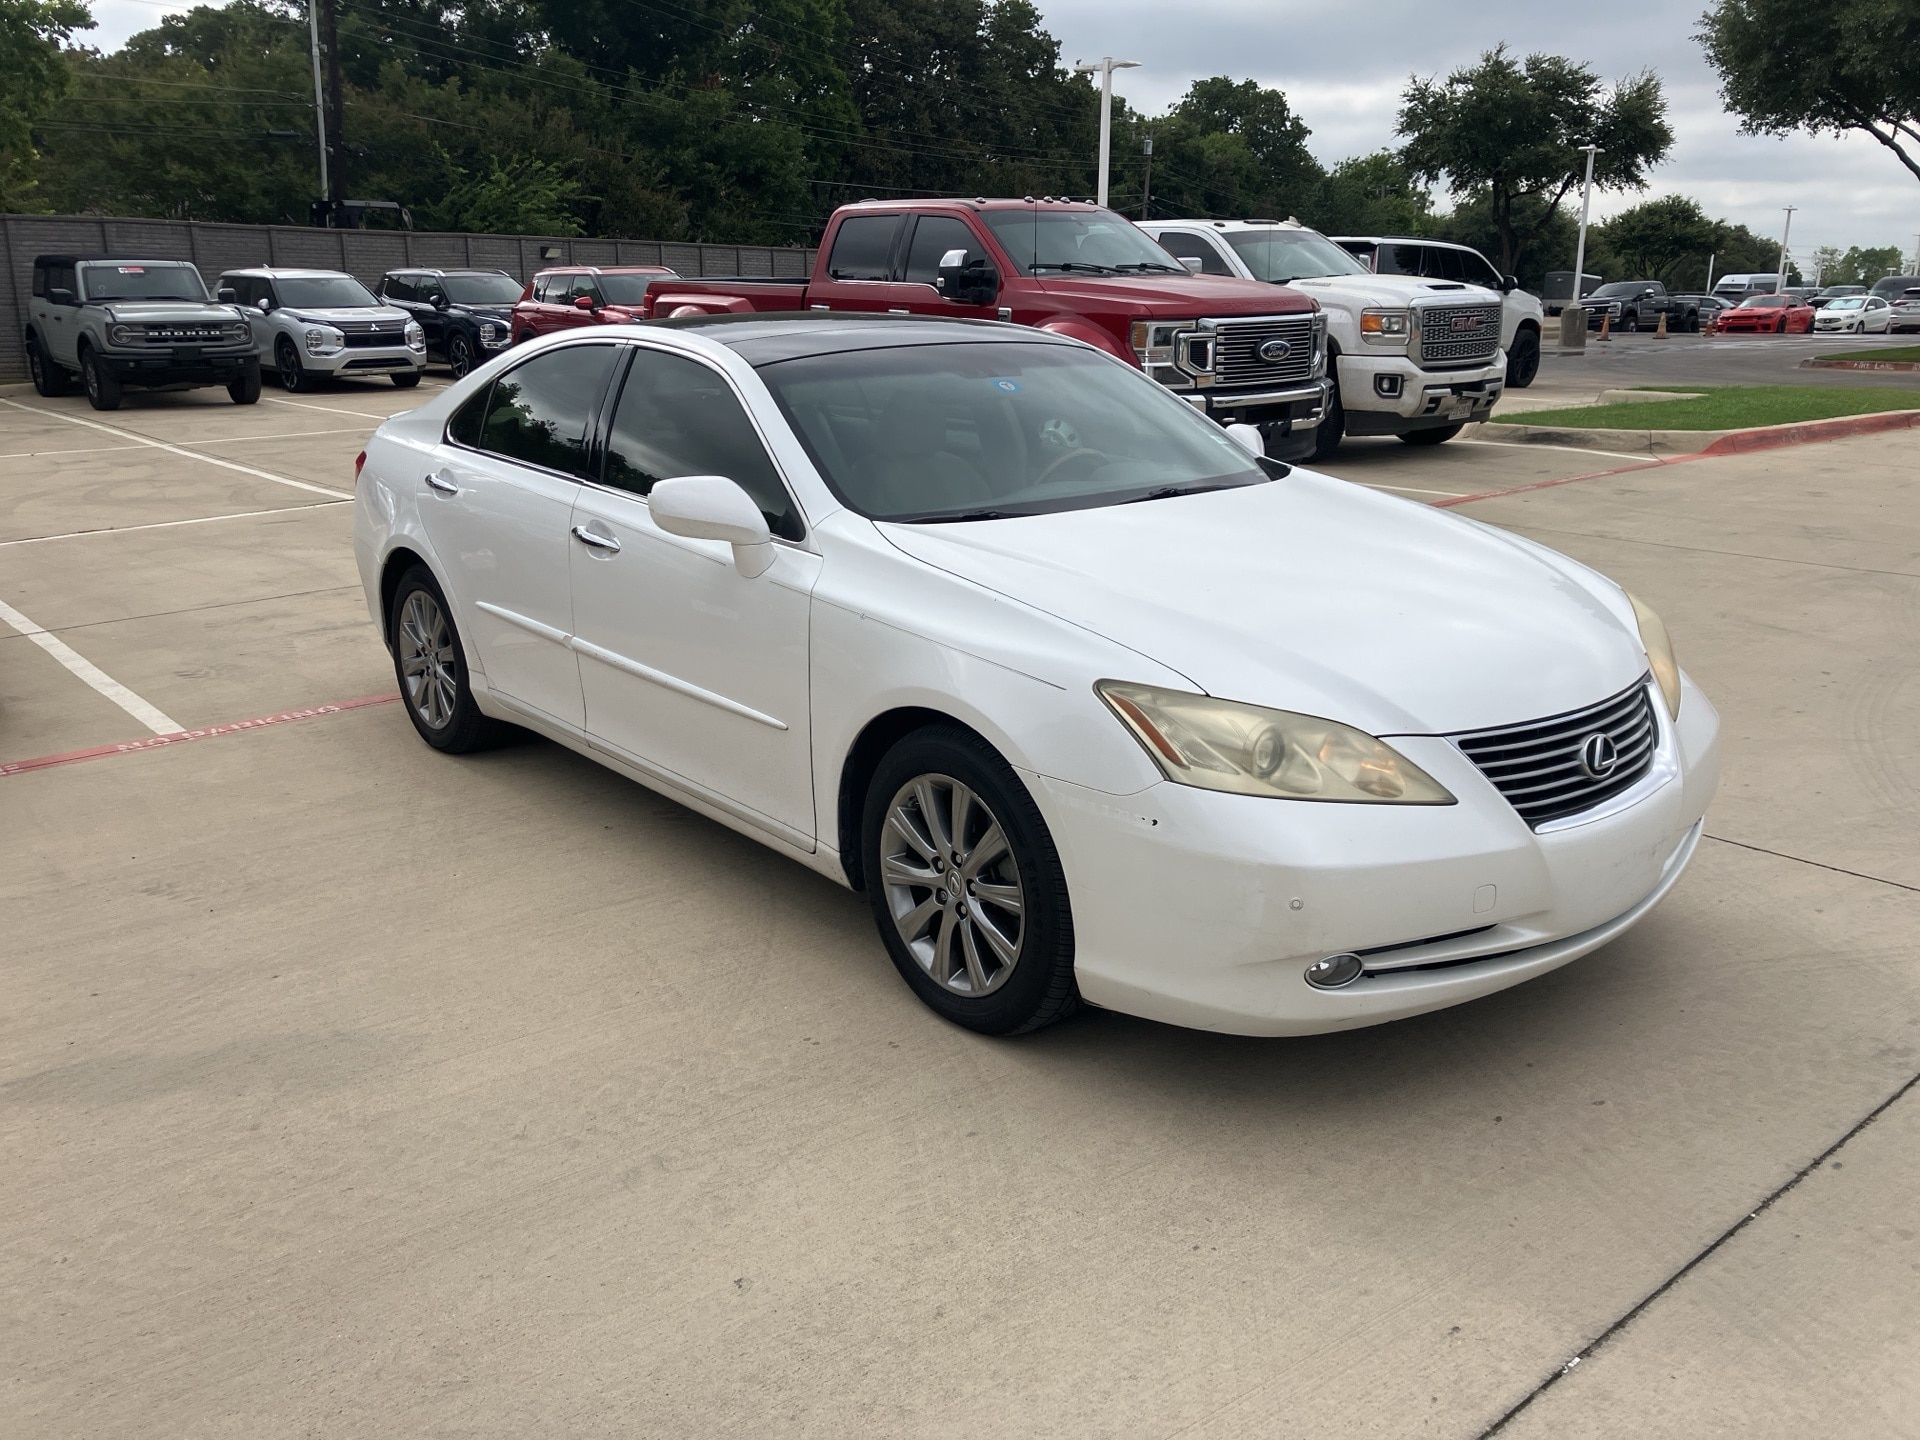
point(863, 248)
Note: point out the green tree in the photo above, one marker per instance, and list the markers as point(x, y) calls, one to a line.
point(1654, 237)
point(1515, 129)
point(33, 75)
point(1372, 195)
point(1863, 267)
point(522, 197)
point(1822, 66)
point(1233, 149)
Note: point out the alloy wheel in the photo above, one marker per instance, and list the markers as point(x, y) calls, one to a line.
point(952, 885)
point(459, 357)
point(426, 660)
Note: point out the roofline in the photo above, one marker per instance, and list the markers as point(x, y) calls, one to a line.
point(41, 260)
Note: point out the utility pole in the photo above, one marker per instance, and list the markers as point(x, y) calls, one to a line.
point(1780, 283)
point(319, 106)
point(1571, 338)
point(1105, 70)
point(1710, 259)
point(1146, 185)
point(330, 35)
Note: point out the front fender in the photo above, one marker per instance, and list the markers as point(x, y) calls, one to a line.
point(1076, 327)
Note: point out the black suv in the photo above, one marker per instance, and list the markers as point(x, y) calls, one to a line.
point(464, 312)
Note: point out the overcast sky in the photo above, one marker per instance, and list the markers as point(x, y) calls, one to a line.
point(1343, 65)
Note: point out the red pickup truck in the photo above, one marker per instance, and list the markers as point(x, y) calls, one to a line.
point(1237, 350)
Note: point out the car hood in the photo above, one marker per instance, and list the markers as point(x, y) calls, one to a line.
point(386, 314)
point(1396, 291)
point(486, 312)
point(199, 312)
point(1313, 595)
point(1177, 296)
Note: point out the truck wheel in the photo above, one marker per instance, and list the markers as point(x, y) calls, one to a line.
point(1333, 426)
point(1693, 323)
point(406, 379)
point(1523, 361)
point(1630, 324)
point(1438, 435)
point(246, 390)
point(103, 386)
point(293, 375)
point(48, 378)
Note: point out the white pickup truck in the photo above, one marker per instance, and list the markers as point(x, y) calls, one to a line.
point(1409, 356)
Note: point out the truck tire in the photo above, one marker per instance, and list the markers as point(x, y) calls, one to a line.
point(1438, 435)
point(1333, 426)
point(1630, 323)
point(103, 386)
point(49, 379)
point(1693, 322)
point(246, 390)
point(1523, 361)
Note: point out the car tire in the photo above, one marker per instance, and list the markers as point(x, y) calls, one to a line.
point(1436, 435)
point(406, 379)
point(952, 946)
point(523, 337)
point(1332, 428)
point(246, 390)
point(49, 379)
point(294, 377)
point(1523, 361)
point(103, 386)
point(430, 663)
point(1630, 324)
point(459, 355)
point(1693, 323)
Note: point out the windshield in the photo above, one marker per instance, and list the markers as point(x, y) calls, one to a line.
point(1619, 288)
point(995, 430)
point(1848, 303)
point(625, 289)
point(482, 289)
point(1096, 242)
point(323, 292)
point(142, 282)
point(1282, 255)
point(1844, 290)
point(1763, 302)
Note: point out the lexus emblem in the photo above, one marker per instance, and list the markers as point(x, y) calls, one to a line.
point(1598, 755)
point(1274, 351)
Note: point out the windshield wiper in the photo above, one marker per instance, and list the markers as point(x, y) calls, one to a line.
point(1171, 492)
point(1158, 267)
point(1076, 265)
point(955, 519)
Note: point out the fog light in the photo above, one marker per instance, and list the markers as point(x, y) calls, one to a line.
point(1387, 386)
point(1334, 971)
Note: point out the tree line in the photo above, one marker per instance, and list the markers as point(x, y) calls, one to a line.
point(748, 122)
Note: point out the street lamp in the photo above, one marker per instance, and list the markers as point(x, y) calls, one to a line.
point(1780, 283)
point(1576, 306)
point(1105, 70)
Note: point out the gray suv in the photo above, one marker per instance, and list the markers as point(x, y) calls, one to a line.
point(120, 321)
point(314, 325)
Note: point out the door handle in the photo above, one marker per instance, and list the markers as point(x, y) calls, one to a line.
point(595, 539)
point(441, 483)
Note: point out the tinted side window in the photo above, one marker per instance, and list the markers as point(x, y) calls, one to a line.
point(1195, 247)
point(1478, 270)
point(398, 287)
point(39, 280)
point(583, 285)
point(540, 284)
point(678, 417)
point(62, 277)
point(1443, 264)
point(934, 236)
point(863, 248)
point(538, 412)
point(1397, 259)
point(467, 420)
point(424, 292)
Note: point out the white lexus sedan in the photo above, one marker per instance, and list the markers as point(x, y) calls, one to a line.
point(1093, 703)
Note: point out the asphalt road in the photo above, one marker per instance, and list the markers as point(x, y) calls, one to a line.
point(349, 1089)
point(1641, 359)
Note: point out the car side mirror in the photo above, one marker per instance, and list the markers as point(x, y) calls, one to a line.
point(60, 296)
point(226, 295)
point(1509, 284)
point(712, 507)
point(964, 283)
point(440, 301)
point(584, 302)
point(264, 304)
point(1249, 439)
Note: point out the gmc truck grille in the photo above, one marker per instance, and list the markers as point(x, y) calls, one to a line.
point(1459, 334)
point(1549, 769)
point(1238, 363)
point(186, 335)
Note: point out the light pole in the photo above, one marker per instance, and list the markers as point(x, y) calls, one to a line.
point(319, 106)
point(1105, 70)
point(1780, 282)
point(1571, 338)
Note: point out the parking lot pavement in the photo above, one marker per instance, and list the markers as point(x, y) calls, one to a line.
point(355, 1089)
point(1643, 359)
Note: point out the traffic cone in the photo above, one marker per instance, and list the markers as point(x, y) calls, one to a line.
point(1660, 330)
point(1606, 325)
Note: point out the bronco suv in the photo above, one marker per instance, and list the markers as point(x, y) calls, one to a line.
point(1408, 356)
point(147, 323)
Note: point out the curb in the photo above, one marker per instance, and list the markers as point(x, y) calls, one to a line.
point(1656, 443)
point(1902, 366)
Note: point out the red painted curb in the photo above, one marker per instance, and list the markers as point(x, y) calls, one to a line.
point(182, 737)
point(1900, 365)
point(1772, 437)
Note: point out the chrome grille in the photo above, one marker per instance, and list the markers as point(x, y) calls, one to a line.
point(185, 334)
point(1237, 362)
point(1458, 334)
point(1539, 766)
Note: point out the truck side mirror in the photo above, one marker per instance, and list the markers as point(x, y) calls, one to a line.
point(1509, 284)
point(60, 297)
point(226, 295)
point(1192, 262)
point(964, 283)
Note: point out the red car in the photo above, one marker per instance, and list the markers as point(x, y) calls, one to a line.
point(1767, 314)
point(583, 295)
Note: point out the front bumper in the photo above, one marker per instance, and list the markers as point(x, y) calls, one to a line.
point(1295, 408)
point(1420, 399)
point(1204, 910)
point(180, 366)
point(368, 359)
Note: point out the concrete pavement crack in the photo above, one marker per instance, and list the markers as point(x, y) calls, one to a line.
point(1819, 864)
point(1674, 1279)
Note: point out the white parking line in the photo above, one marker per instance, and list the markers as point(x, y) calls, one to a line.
point(150, 716)
point(290, 435)
point(1570, 449)
point(333, 409)
point(170, 524)
point(1413, 490)
point(44, 454)
point(178, 450)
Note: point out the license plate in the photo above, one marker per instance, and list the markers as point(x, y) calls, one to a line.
point(1461, 409)
point(188, 356)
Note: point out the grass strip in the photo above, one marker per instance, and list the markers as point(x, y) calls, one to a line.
point(1734, 407)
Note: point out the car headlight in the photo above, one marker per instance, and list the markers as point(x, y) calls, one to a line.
point(1251, 750)
point(1385, 327)
point(1666, 670)
point(488, 333)
point(323, 340)
point(416, 336)
point(124, 335)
